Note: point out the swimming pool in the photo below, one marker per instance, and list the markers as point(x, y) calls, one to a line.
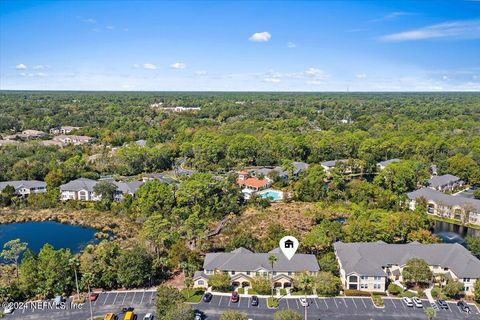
point(273, 195)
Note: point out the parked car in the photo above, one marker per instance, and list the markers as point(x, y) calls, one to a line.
point(110, 316)
point(235, 297)
point(129, 315)
point(127, 309)
point(207, 297)
point(442, 304)
point(417, 302)
point(303, 302)
point(8, 309)
point(93, 296)
point(58, 300)
point(463, 306)
point(148, 316)
point(254, 301)
point(198, 315)
point(408, 301)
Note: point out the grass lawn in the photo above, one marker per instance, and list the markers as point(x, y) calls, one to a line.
point(192, 295)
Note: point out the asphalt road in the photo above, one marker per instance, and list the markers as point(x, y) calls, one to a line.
point(320, 308)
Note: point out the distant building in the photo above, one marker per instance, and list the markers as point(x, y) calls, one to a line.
point(25, 187)
point(243, 266)
point(63, 130)
point(180, 109)
point(446, 182)
point(372, 266)
point(52, 143)
point(448, 206)
point(72, 139)
point(26, 135)
point(82, 189)
point(251, 184)
point(383, 164)
point(141, 143)
point(329, 165)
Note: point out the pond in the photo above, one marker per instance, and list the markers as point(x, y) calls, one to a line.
point(452, 233)
point(37, 234)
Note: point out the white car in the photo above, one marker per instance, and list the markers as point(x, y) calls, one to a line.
point(417, 302)
point(8, 310)
point(408, 301)
point(148, 316)
point(303, 302)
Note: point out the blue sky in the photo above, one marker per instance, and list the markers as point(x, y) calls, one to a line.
point(240, 45)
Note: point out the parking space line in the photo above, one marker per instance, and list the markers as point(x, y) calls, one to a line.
point(315, 300)
point(229, 300)
point(152, 296)
point(334, 300)
point(296, 302)
point(133, 297)
point(220, 301)
point(115, 298)
point(363, 301)
point(143, 295)
point(123, 302)
point(108, 293)
point(353, 300)
point(393, 304)
point(248, 302)
point(325, 301)
point(288, 306)
point(346, 306)
point(239, 302)
point(403, 304)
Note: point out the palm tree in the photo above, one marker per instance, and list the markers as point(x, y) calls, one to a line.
point(75, 264)
point(430, 313)
point(87, 280)
point(305, 282)
point(272, 259)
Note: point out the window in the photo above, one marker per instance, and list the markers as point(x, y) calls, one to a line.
point(208, 271)
point(201, 282)
point(466, 279)
point(265, 274)
point(274, 273)
point(257, 273)
point(364, 286)
point(248, 273)
point(377, 278)
point(376, 286)
point(363, 277)
point(233, 273)
point(289, 273)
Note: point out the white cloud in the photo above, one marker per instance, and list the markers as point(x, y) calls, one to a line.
point(291, 45)
point(178, 65)
point(200, 72)
point(361, 76)
point(41, 66)
point(110, 27)
point(271, 80)
point(89, 20)
point(21, 66)
point(315, 73)
point(444, 77)
point(36, 74)
point(136, 65)
point(260, 37)
point(392, 16)
point(467, 29)
point(149, 66)
point(314, 82)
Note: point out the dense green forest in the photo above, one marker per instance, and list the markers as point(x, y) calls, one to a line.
point(231, 131)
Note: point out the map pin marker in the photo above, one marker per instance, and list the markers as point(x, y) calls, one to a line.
point(289, 246)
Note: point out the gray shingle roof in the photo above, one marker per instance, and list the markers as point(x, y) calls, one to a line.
point(128, 187)
point(23, 183)
point(79, 184)
point(242, 259)
point(368, 258)
point(332, 163)
point(444, 199)
point(444, 180)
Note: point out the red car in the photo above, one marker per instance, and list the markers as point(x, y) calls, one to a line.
point(235, 297)
point(93, 296)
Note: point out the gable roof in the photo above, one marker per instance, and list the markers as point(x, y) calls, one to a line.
point(440, 181)
point(17, 184)
point(252, 182)
point(242, 259)
point(444, 199)
point(367, 258)
point(79, 184)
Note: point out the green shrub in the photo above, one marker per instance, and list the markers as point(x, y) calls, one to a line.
point(272, 302)
point(241, 291)
point(377, 300)
point(283, 292)
point(351, 292)
point(394, 289)
point(407, 294)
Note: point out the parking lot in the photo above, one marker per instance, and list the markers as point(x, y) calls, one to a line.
point(334, 308)
point(347, 308)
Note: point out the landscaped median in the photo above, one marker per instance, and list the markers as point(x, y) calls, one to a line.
point(193, 295)
point(272, 303)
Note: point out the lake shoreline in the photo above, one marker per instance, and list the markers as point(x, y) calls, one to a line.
point(105, 223)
